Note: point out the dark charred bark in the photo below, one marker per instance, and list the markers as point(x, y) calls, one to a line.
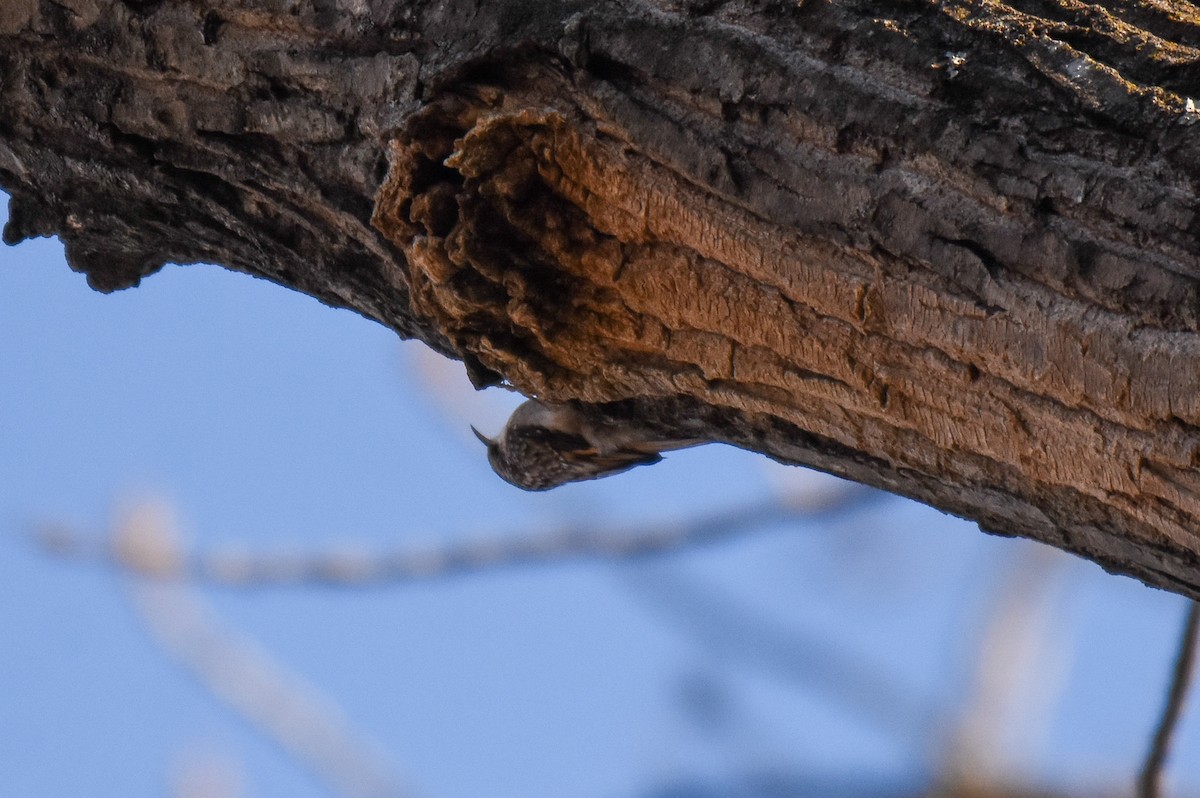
point(943, 247)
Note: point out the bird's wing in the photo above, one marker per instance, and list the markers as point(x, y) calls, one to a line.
point(577, 449)
point(611, 461)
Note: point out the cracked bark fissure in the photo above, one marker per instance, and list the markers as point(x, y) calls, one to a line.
point(942, 247)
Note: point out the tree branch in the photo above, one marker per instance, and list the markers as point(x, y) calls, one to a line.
point(946, 248)
point(1150, 781)
point(415, 563)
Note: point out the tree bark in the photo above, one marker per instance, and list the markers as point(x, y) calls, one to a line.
point(944, 247)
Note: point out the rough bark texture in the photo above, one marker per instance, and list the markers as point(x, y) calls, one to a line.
point(943, 247)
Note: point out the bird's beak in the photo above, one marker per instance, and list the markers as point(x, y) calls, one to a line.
point(486, 440)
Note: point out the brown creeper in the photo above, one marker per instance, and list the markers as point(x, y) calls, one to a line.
point(544, 446)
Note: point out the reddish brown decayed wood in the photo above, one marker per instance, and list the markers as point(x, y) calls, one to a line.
point(613, 278)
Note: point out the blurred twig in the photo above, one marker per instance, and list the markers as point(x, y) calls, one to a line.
point(727, 627)
point(245, 677)
point(204, 774)
point(1150, 782)
point(1010, 672)
point(348, 568)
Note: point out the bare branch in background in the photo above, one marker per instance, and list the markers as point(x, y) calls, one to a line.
point(1150, 782)
point(309, 727)
point(1014, 678)
point(735, 632)
point(205, 774)
point(243, 676)
point(348, 568)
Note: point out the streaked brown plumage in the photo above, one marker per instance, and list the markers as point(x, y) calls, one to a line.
point(544, 446)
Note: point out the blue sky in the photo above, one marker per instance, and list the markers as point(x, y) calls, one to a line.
point(273, 423)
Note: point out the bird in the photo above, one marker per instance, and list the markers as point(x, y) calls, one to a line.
point(545, 445)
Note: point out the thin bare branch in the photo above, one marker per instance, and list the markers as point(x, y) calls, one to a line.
point(200, 773)
point(1014, 679)
point(361, 569)
point(731, 631)
point(1150, 782)
point(246, 678)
